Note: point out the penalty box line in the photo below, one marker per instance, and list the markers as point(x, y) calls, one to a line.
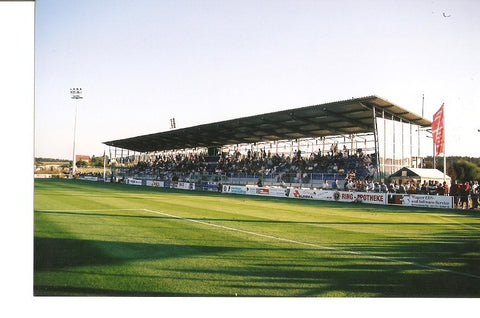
point(317, 246)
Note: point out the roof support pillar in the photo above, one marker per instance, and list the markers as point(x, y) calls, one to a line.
point(411, 145)
point(375, 139)
point(403, 144)
point(384, 143)
point(393, 146)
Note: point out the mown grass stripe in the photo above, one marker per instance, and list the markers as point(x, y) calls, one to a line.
point(314, 245)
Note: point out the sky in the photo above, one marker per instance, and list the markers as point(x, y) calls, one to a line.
point(143, 62)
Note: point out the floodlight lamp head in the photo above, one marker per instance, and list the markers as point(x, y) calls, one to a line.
point(76, 93)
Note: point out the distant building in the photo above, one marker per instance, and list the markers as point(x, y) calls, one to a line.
point(79, 158)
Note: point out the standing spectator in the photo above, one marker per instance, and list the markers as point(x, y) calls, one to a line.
point(454, 192)
point(475, 194)
point(259, 183)
point(391, 187)
point(464, 194)
point(440, 189)
point(432, 188)
point(445, 188)
point(411, 188)
point(423, 188)
point(335, 185)
point(383, 187)
point(401, 188)
point(325, 186)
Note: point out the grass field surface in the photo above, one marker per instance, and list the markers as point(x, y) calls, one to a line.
point(119, 240)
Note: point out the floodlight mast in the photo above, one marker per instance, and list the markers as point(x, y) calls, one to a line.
point(75, 94)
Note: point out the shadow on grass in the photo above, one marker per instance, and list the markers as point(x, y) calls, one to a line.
point(57, 254)
point(335, 275)
point(263, 271)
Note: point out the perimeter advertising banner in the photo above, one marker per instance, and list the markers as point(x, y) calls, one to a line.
point(133, 181)
point(157, 184)
point(253, 190)
point(309, 194)
point(182, 185)
point(422, 200)
point(89, 178)
point(340, 196)
point(167, 184)
point(234, 189)
point(416, 200)
point(264, 191)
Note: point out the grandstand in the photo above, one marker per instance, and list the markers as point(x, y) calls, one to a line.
point(361, 138)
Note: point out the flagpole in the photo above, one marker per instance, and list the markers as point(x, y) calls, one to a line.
point(444, 151)
point(104, 165)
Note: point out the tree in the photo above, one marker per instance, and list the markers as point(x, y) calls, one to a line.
point(464, 171)
point(98, 161)
point(81, 163)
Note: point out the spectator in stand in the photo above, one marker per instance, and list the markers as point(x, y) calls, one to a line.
point(358, 166)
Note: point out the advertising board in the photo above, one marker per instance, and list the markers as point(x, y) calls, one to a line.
point(234, 189)
point(88, 178)
point(133, 182)
point(428, 201)
point(264, 191)
point(340, 196)
point(157, 184)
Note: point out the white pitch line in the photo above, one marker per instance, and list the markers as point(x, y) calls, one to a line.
point(459, 223)
point(90, 210)
point(393, 260)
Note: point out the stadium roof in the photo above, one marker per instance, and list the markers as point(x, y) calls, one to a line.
point(353, 116)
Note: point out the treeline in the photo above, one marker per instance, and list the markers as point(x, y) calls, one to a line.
point(458, 168)
point(473, 160)
point(43, 160)
point(463, 170)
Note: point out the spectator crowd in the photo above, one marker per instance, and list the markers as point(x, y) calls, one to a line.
point(257, 163)
point(356, 171)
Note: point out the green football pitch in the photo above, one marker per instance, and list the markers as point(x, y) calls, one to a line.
point(118, 240)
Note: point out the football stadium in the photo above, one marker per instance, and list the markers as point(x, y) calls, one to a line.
point(329, 200)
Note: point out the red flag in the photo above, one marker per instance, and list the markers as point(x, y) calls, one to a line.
point(438, 131)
